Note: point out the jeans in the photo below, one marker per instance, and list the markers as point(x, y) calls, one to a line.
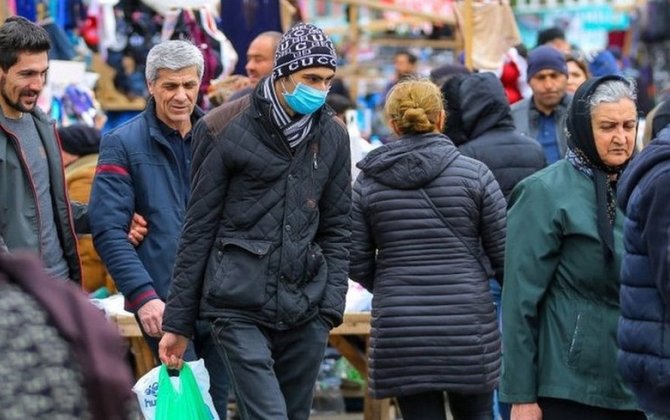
point(500, 409)
point(431, 406)
point(219, 384)
point(272, 372)
point(203, 347)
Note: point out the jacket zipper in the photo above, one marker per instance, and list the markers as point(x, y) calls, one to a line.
point(575, 333)
point(68, 208)
point(175, 164)
point(26, 167)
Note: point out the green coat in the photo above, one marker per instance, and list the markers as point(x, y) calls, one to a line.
point(560, 298)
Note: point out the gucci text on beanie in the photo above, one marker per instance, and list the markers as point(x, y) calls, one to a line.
point(303, 46)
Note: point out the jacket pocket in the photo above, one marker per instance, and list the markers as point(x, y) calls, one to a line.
point(316, 275)
point(584, 351)
point(240, 279)
point(297, 301)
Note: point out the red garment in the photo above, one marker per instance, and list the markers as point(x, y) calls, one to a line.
point(616, 39)
point(510, 81)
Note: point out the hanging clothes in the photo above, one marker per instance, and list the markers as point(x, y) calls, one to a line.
point(227, 52)
point(432, 7)
point(61, 47)
point(70, 13)
point(494, 32)
point(11, 8)
point(163, 7)
point(188, 27)
point(258, 16)
point(27, 9)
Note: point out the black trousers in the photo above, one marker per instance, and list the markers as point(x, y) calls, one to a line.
point(559, 409)
point(431, 406)
point(272, 372)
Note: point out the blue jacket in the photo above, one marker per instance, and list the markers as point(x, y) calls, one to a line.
point(138, 173)
point(644, 327)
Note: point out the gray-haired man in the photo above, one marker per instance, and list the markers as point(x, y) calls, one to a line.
point(144, 167)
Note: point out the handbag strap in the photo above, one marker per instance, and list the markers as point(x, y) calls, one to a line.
point(458, 236)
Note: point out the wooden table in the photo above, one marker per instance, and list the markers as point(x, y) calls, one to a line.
point(358, 324)
point(354, 324)
point(128, 328)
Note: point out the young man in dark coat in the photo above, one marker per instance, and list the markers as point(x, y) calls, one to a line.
point(264, 248)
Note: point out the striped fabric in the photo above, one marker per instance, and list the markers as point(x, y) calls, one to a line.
point(295, 130)
point(111, 169)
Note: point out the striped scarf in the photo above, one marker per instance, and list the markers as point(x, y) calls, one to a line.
point(295, 130)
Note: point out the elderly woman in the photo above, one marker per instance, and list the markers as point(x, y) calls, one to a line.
point(426, 223)
point(561, 296)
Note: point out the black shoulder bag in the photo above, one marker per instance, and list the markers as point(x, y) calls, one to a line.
point(477, 255)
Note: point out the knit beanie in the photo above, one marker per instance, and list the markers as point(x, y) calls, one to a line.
point(603, 64)
point(301, 47)
point(546, 58)
point(79, 139)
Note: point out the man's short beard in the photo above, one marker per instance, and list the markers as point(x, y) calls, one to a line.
point(17, 105)
point(14, 104)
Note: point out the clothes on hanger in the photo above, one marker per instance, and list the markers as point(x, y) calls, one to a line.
point(241, 32)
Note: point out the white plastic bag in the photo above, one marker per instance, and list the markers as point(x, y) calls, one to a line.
point(358, 299)
point(146, 389)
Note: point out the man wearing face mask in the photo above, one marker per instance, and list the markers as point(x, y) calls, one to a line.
point(264, 247)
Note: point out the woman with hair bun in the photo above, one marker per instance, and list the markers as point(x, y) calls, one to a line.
point(428, 233)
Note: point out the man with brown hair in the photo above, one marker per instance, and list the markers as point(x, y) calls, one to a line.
point(37, 215)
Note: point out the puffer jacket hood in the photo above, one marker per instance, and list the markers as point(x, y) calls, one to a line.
point(451, 92)
point(487, 106)
point(640, 165)
point(410, 162)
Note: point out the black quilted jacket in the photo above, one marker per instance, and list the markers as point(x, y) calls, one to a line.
point(433, 320)
point(267, 231)
point(492, 137)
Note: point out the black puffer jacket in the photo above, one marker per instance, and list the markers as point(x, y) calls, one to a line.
point(477, 106)
point(266, 233)
point(433, 320)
